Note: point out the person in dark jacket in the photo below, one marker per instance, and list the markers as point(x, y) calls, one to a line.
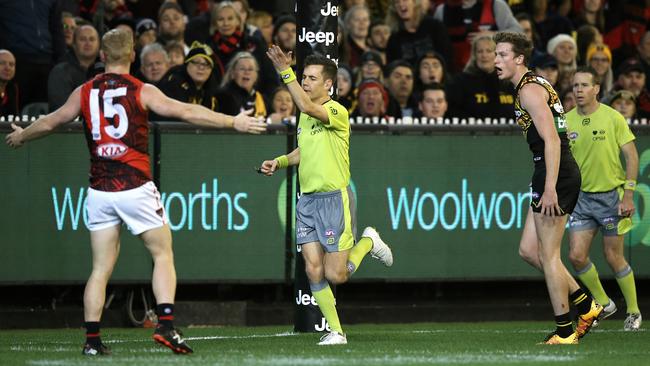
point(9, 93)
point(477, 91)
point(238, 88)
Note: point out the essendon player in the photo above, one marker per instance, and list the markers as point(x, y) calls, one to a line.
point(114, 107)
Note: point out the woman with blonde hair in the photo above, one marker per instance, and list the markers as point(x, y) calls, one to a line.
point(238, 85)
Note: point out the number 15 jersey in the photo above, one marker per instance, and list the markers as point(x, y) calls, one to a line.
point(117, 132)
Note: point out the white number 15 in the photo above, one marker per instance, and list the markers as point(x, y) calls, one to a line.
point(110, 110)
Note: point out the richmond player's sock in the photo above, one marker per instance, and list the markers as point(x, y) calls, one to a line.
point(357, 253)
point(589, 277)
point(325, 299)
point(625, 279)
point(92, 334)
point(563, 325)
point(581, 300)
point(165, 314)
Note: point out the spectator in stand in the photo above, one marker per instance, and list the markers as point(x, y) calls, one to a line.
point(32, 31)
point(371, 67)
point(413, 33)
point(345, 93)
point(145, 33)
point(625, 103)
point(373, 100)
point(357, 23)
point(433, 103)
point(107, 14)
point(632, 78)
point(430, 69)
point(193, 82)
point(229, 38)
point(378, 35)
point(9, 93)
point(155, 63)
point(399, 81)
point(563, 48)
point(176, 53)
point(591, 13)
point(244, 10)
point(545, 66)
point(284, 35)
point(548, 23)
point(599, 57)
point(69, 25)
point(264, 22)
point(586, 35)
point(468, 19)
point(643, 54)
point(568, 100)
point(528, 28)
point(283, 108)
point(238, 88)
point(66, 76)
point(171, 25)
point(477, 92)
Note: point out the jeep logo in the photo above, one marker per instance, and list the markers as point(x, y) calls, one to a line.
point(111, 150)
point(305, 299)
point(318, 37)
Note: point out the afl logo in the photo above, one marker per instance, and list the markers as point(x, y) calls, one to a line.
point(573, 135)
point(111, 151)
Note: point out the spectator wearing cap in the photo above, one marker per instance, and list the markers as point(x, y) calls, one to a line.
point(356, 23)
point(632, 78)
point(154, 62)
point(345, 93)
point(433, 101)
point(373, 100)
point(599, 57)
point(625, 103)
point(239, 87)
point(468, 19)
point(477, 92)
point(563, 48)
point(372, 67)
point(171, 25)
point(399, 82)
point(229, 38)
point(284, 35)
point(545, 66)
point(430, 69)
point(193, 82)
point(145, 33)
point(413, 33)
point(66, 76)
point(9, 92)
point(378, 35)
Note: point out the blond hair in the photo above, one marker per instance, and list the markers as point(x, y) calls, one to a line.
point(117, 46)
point(230, 68)
point(217, 9)
point(393, 20)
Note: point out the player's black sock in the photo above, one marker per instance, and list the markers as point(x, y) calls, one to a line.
point(165, 314)
point(581, 300)
point(564, 325)
point(92, 334)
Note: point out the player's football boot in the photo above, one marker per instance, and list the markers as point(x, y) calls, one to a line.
point(380, 250)
point(92, 350)
point(333, 338)
point(632, 322)
point(553, 338)
point(586, 321)
point(608, 310)
point(172, 339)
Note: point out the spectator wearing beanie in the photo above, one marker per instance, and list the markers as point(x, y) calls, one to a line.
point(345, 93)
point(599, 57)
point(563, 47)
point(373, 100)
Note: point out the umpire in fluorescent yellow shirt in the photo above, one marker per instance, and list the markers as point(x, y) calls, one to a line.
point(325, 212)
point(597, 136)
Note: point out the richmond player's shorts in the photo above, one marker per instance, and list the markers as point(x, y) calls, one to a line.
point(328, 218)
point(600, 210)
point(567, 186)
point(139, 208)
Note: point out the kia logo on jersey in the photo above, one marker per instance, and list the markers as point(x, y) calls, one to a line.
point(111, 150)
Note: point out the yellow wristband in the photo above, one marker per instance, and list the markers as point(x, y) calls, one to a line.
point(287, 75)
point(630, 185)
point(283, 161)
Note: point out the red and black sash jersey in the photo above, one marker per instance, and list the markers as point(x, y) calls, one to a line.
point(117, 132)
point(525, 121)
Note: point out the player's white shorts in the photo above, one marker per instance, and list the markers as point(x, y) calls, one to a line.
point(140, 209)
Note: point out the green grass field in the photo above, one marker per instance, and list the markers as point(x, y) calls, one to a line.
point(506, 343)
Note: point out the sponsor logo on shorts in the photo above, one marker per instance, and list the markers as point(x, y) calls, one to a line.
point(111, 150)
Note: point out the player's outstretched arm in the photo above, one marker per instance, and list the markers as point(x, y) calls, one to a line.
point(271, 166)
point(282, 62)
point(46, 124)
point(161, 104)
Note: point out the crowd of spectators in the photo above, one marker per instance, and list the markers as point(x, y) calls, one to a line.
point(397, 58)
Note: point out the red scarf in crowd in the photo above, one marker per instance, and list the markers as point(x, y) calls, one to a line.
point(228, 45)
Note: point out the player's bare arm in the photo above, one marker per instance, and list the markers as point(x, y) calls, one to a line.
point(282, 62)
point(155, 100)
point(270, 166)
point(631, 155)
point(46, 124)
point(534, 98)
